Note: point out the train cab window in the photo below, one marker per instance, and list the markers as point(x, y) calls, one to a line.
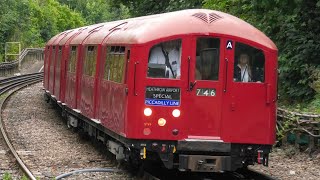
point(90, 61)
point(72, 59)
point(165, 60)
point(207, 59)
point(249, 64)
point(115, 63)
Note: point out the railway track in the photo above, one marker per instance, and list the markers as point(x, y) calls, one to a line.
point(151, 173)
point(11, 85)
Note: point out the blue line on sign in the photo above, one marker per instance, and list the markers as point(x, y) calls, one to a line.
point(162, 102)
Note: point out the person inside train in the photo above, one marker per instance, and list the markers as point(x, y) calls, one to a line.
point(168, 53)
point(242, 71)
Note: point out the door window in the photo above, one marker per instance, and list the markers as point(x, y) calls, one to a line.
point(207, 59)
point(249, 64)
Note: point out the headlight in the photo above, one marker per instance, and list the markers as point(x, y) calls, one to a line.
point(176, 113)
point(147, 112)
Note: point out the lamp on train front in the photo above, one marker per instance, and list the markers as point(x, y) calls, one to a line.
point(176, 113)
point(147, 112)
point(162, 122)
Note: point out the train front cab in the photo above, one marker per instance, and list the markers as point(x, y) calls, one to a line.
point(225, 122)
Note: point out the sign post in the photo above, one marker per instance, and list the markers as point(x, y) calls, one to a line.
point(11, 48)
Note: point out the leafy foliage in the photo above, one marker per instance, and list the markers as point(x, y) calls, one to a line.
point(7, 176)
point(148, 7)
point(97, 11)
point(34, 22)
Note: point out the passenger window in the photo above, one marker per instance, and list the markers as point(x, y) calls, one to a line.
point(59, 57)
point(249, 64)
point(90, 61)
point(207, 59)
point(165, 60)
point(53, 56)
point(115, 63)
point(107, 64)
point(121, 63)
point(72, 59)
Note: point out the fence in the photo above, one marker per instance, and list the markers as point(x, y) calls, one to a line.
point(9, 68)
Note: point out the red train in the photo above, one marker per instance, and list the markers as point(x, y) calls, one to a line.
point(195, 89)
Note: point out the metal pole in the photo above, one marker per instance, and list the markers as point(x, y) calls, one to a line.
point(5, 52)
point(19, 65)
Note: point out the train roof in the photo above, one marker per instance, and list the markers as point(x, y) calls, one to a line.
point(149, 28)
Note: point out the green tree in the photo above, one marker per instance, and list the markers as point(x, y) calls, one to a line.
point(148, 7)
point(97, 11)
point(34, 22)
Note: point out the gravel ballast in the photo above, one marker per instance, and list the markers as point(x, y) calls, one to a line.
point(46, 145)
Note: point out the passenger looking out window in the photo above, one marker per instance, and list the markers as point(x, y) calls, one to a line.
point(243, 71)
point(249, 64)
point(165, 60)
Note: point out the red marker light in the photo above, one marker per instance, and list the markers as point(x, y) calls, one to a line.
point(146, 131)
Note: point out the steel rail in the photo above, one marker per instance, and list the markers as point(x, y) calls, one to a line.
point(15, 87)
point(13, 78)
point(18, 83)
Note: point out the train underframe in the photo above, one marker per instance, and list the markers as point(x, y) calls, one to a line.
point(192, 155)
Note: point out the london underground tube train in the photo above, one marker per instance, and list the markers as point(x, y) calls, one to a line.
point(193, 89)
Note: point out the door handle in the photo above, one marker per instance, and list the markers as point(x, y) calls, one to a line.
point(189, 83)
point(192, 84)
point(134, 79)
point(226, 75)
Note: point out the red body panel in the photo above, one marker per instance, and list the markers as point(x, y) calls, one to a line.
point(57, 74)
point(87, 96)
point(63, 76)
point(64, 43)
point(45, 69)
point(113, 103)
point(70, 91)
point(52, 63)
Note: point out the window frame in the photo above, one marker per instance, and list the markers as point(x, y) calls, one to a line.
point(214, 40)
point(90, 60)
point(254, 50)
point(155, 45)
point(114, 63)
